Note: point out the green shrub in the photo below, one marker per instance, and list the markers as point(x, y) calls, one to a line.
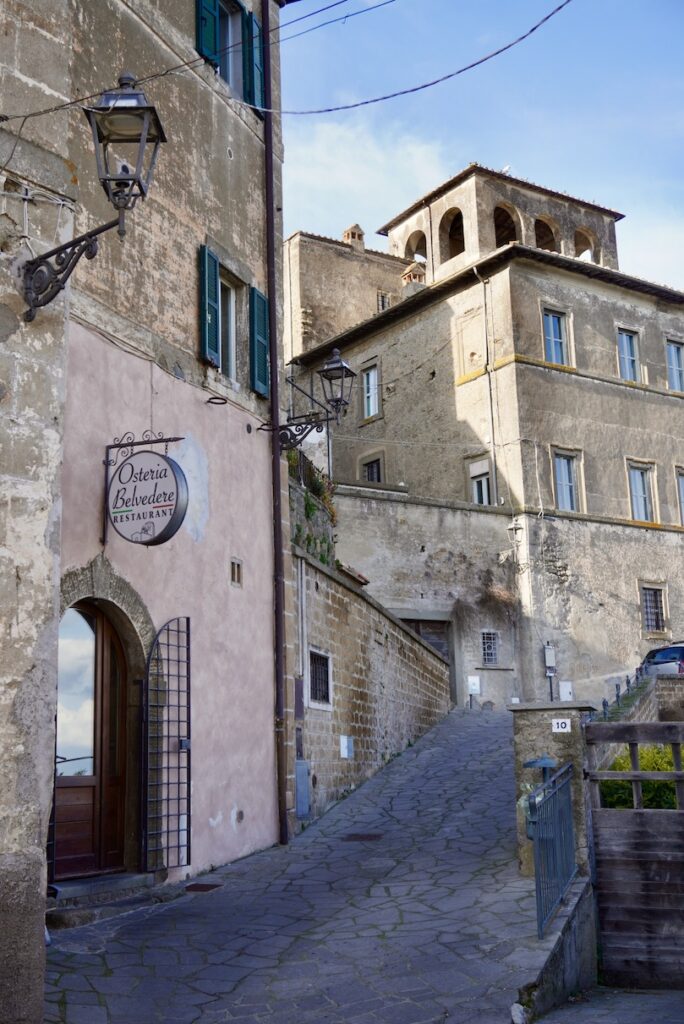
point(309, 505)
point(656, 795)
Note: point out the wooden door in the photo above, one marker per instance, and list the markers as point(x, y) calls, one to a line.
point(90, 763)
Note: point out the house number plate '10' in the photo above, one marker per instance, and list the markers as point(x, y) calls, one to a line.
point(561, 724)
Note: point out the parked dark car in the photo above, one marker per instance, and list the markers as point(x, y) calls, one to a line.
point(664, 661)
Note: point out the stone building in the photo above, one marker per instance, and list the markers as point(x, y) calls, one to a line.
point(331, 285)
point(511, 470)
point(161, 339)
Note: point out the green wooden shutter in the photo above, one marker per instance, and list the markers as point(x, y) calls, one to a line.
point(208, 29)
point(258, 342)
point(210, 320)
point(257, 58)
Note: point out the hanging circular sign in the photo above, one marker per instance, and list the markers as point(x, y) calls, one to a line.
point(147, 498)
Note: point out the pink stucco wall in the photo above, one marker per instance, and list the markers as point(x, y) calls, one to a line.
point(109, 392)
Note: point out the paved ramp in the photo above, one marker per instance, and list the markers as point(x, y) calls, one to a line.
point(403, 905)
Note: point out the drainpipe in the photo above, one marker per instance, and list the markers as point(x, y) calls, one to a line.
point(278, 560)
point(488, 368)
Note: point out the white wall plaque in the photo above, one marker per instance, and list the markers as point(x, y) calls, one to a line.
point(561, 725)
point(474, 686)
point(147, 498)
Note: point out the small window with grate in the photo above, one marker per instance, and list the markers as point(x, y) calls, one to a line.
point(319, 678)
point(490, 648)
point(653, 609)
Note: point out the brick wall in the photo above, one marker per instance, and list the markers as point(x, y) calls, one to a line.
point(387, 687)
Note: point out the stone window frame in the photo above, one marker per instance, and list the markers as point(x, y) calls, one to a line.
point(661, 587)
point(648, 467)
point(368, 365)
point(475, 470)
point(547, 305)
point(678, 342)
point(311, 702)
point(621, 328)
point(577, 455)
point(377, 455)
point(384, 300)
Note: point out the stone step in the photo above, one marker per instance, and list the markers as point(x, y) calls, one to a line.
point(83, 901)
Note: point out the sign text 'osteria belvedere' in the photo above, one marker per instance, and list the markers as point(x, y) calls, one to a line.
point(147, 498)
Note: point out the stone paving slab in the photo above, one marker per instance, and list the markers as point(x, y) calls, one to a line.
point(621, 1006)
point(429, 923)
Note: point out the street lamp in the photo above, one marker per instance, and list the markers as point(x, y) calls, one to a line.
point(337, 378)
point(127, 134)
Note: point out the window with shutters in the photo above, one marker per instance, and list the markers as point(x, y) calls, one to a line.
point(480, 485)
point(370, 383)
point(675, 366)
point(221, 297)
point(566, 480)
point(556, 349)
point(223, 320)
point(230, 38)
point(319, 678)
point(628, 358)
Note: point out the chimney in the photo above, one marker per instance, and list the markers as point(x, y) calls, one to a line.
point(413, 279)
point(354, 236)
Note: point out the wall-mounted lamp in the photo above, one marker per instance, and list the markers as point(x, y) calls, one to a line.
point(337, 379)
point(127, 134)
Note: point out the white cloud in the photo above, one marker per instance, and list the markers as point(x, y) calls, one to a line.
point(339, 173)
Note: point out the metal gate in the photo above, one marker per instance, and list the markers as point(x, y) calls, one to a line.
point(550, 828)
point(166, 811)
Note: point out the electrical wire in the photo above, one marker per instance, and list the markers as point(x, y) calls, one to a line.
point(319, 110)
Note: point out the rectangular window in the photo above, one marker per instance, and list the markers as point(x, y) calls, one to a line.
point(480, 489)
point(653, 609)
point(480, 482)
point(675, 366)
point(227, 312)
point(220, 296)
point(555, 338)
point(627, 356)
point(372, 471)
point(680, 491)
point(319, 668)
point(641, 493)
point(236, 572)
point(230, 38)
point(490, 648)
point(371, 397)
point(383, 301)
point(565, 472)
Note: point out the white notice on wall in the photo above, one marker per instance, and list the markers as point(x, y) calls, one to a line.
point(474, 685)
point(561, 724)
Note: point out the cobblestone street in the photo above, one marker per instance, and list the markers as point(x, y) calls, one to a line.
point(424, 920)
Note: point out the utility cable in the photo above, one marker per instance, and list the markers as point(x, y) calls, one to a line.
point(320, 110)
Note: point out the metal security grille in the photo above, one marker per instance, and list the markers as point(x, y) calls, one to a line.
point(372, 471)
point(654, 615)
point(490, 648)
point(167, 741)
point(550, 828)
point(320, 677)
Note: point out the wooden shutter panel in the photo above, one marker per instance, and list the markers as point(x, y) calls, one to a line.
point(256, 47)
point(258, 342)
point(247, 64)
point(210, 334)
point(208, 29)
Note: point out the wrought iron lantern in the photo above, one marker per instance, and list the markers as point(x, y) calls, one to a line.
point(337, 379)
point(127, 134)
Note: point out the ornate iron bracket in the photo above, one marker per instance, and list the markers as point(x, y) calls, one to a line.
point(292, 433)
point(44, 280)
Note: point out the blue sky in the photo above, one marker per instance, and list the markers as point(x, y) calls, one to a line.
point(592, 104)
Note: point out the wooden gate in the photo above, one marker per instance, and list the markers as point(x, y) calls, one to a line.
point(639, 859)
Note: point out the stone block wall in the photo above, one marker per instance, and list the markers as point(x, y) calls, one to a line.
point(387, 687)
